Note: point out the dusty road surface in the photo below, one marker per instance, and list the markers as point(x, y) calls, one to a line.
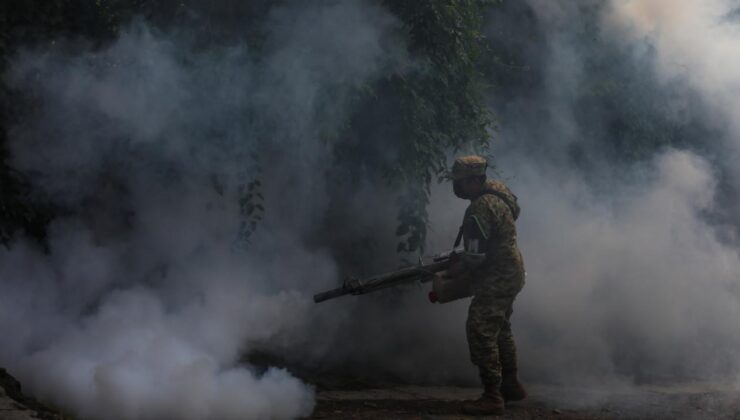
point(690, 401)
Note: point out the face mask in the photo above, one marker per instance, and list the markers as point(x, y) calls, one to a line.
point(458, 190)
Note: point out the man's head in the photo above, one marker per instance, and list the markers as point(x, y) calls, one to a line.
point(469, 176)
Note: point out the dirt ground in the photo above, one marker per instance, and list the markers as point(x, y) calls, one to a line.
point(688, 401)
point(348, 401)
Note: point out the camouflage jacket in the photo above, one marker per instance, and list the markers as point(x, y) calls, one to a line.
point(489, 234)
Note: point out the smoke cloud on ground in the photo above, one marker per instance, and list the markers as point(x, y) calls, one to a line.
point(145, 302)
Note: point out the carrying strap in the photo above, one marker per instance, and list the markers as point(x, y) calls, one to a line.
point(459, 238)
point(514, 212)
point(505, 198)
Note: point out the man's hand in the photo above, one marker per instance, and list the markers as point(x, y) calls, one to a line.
point(457, 267)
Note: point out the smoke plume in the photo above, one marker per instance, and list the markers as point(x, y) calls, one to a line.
point(617, 130)
point(145, 302)
point(632, 269)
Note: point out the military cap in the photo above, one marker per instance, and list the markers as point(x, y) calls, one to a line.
point(468, 166)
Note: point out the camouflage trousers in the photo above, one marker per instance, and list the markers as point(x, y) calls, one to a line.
point(491, 342)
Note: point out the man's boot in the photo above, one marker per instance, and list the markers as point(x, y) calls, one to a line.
point(511, 388)
point(490, 403)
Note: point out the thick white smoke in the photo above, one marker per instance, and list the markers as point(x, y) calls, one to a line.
point(145, 303)
point(697, 43)
point(635, 285)
point(694, 41)
point(629, 279)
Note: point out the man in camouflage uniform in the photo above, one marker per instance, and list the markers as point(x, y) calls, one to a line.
point(494, 264)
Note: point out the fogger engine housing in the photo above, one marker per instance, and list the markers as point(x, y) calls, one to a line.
point(447, 289)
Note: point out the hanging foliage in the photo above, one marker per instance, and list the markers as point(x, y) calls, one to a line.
point(443, 108)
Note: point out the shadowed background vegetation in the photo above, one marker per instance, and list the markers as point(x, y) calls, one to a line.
point(422, 118)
